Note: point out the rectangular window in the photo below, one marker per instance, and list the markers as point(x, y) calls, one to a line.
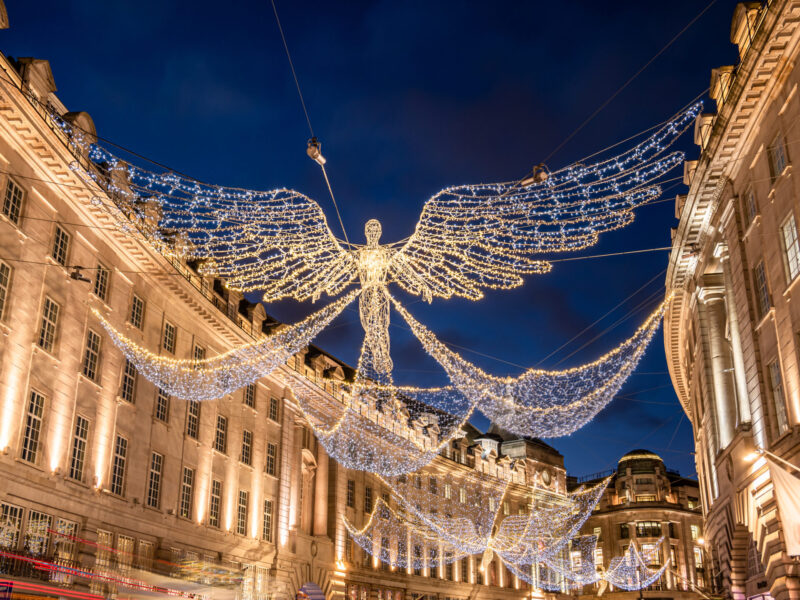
point(776, 153)
point(272, 459)
point(49, 326)
point(170, 336)
point(199, 353)
point(221, 435)
point(367, 499)
point(462, 496)
point(623, 531)
point(33, 427)
point(250, 395)
point(351, 493)
point(598, 557)
point(154, 480)
point(448, 566)
point(247, 447)
point(91, 357)
point(464, 568)
point(187, 489)
point(385, 507)
point(214, 504)
point(193, 418)
point(101, 278)
point(417, 562)
point(273, 409)
point(432, 487)
point(12, 202)
point(79, 442)
point(137, 312)
point(762, 290)
point(241, 512)
point(162, 405)
point(791, 248)
point(448, 491)
point(128, 388)
point(776, 386)
point(5, 285)
point(118, 466)
point(750, 207)
point(648, 529)
point(60, 246)
point(37, 533)
point(266, 526)
point(11, 518)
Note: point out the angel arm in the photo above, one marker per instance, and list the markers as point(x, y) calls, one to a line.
point(276, 241)
point(474, 237)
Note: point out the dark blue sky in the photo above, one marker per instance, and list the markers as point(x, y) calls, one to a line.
point(408, 98)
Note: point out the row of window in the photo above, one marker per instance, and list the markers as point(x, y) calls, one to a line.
point(652, 529)
point(32, 442)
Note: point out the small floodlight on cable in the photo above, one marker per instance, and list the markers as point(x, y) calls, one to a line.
point(314, 152)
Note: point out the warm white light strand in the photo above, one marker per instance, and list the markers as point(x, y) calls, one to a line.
point(541, 403)
point(216, 376)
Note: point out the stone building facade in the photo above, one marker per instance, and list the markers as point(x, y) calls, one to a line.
point(731, 331)
point(643, 503)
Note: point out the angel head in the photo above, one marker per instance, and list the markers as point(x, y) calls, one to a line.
point(372, 231)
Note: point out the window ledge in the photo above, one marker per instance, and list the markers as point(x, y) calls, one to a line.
point(96, 384)
point(765, 318)
point(785, 174)
point(17, 226)
point(37, 349)
point(756, 222)
point(790, 288)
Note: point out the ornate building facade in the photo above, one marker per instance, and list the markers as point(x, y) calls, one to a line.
point(645, 503)
point(731, 331)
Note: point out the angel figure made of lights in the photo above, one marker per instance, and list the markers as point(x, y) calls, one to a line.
point(468, 239)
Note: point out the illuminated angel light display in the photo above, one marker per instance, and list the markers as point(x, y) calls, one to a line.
point(424, 527)
point(469, 239)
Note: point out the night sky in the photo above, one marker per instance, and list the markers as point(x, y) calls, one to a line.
point(408, 98)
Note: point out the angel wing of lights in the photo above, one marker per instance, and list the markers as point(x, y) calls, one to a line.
point(469, 238)
point(210, 378)
point(541, 403)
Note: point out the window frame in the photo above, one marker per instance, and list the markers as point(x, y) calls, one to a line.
point(91, 356)
point(169, 337)
point(271, 462)
point(161, 412)
point(215, 503)
point(15, 220)
point(128, 382)
point(221, 434)
point(77, 454)
point(47, 339)
point(791, 255)
point(119, 466)
point(31, 441)
point(761, 289)
point(777, 393)
point(155, 474)
point(5, 288)
point(102, 280)
point(136, 317)
point(193, 419)
point(186, 495)
point(775, 150)
point(59, 250)
point(247, 448)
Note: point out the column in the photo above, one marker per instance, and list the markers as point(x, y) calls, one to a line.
point(736, 343)
point(713, 299)
point(321, 493)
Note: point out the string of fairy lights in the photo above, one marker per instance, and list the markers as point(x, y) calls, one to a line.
point(469, 239)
